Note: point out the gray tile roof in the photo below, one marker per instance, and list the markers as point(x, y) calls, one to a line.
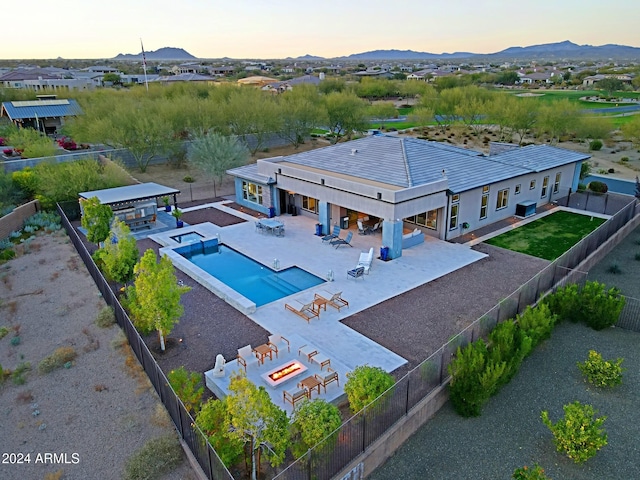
point(539, 157)
point(250, 172)
point(129, 193)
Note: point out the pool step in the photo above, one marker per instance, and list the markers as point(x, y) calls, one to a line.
point(278, 283)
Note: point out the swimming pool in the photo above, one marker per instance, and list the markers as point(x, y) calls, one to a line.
point(251, 279)
point(187, 237)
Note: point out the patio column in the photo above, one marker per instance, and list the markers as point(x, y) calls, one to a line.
point(324, 216)
point(392, 237)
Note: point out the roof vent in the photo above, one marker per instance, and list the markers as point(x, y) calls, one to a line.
point(354, 151)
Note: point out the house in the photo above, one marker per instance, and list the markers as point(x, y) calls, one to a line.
point(257, 81)
point(285, 85)
point(184, 77)
point(443, 190)
point(43, 115)
point(44, 79)
point(592, 80)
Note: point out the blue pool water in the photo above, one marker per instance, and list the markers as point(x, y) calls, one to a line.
point(187, 237)
point(251, 279)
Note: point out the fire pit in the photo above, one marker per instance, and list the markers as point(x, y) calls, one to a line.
point(283, 373)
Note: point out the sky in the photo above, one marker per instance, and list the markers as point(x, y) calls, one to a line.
point(258, 29)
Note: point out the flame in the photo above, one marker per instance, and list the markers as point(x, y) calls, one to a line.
point(283, 372)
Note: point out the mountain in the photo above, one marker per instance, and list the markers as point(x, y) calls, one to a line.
point(309, 57)
point(559, 50)
point(166, 53)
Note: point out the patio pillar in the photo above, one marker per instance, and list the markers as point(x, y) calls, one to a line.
point(392, 237)
point(324, 216)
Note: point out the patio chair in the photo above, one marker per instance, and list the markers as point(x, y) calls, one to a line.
point(333, 235)
point(335, 300)
point(356, 272)
point(246, 357)
point(306, 311)
point(276, 342)
point(365, 260)
point(375, 228)
point(361, 229)
point(343, 241)
point(259, 226)
point(326, 378)
point(293, 397)
point(279, 231)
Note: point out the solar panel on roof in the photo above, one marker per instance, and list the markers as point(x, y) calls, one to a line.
point(39, 103)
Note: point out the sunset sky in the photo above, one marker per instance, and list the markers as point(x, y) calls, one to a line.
point(291, 28)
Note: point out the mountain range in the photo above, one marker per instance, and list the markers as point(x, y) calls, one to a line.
point(549, 51)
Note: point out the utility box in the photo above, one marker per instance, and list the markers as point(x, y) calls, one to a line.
point(526, 209)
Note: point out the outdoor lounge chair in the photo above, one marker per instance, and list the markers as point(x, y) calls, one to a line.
point(356, 272)
point(294, 397)
point(276, 342)
point(343, 241)
point(326, 378)
point(306, 311)
point(361, 229)
point(365, 260)
point(335, 300)
point(246, 357)
point(375, 228)
point(333, 235)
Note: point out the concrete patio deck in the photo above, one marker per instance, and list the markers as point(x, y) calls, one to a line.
point(299, 246)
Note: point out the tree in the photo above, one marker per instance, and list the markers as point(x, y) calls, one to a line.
point(631, 131)
point(609, 85)
point(188, 386)
point(313, 421)
point(509, 77)
point(346, 114)
point(301, 111)
point(557, 118)
point(471, 106)
point(592, 128)
point(96, 218)
point(365, 384)
point(522, 116)
point(213, 420)
point(120, 253)
point(214, 154)
point(256, 420)
point(382, 111)
point(154, 298)
point(31, 143)
point(112, 78)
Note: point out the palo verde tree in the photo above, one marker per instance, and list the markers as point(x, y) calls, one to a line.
point(214, 154)
point(301, 111)
point(119, 254)
point(96, 218)
point(214, 422)
point(346, 114)
point(257, 421)
point(154, 298)
point(558, 118)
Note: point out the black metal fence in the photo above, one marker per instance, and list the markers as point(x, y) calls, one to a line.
point(332, 455)
point(182, 419)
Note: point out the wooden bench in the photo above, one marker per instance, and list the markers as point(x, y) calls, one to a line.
point(294, 397)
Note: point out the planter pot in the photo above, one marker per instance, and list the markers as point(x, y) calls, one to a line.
point(167, 208)
point(179, 223)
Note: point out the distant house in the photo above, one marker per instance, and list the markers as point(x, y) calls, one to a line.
point(257, 81)
point(188, 68)
point(592, 80)
point(221, 71)
point(184, 77)
point(279, 87)
point(43, 115)
point(407, 183)
point(536, 77)
point(44, 79)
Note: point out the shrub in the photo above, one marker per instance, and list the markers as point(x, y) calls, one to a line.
point(156, 458)
point(537, 323)
point(364, 384)
point(598, 187)
point(211, 419)
point(564, 302)
point(4, 331)
point(579, 433)
point(105, 317)
point(582, 187)
point(526, 473)
point(57, 359)
point(600, 372)
point(313, 421)
point(600, 307)
point(595, 145)
point(187, 386)
point(624, 159)
point(19, 374)
point(15, 341)
point(508, 344)
point(614, 268)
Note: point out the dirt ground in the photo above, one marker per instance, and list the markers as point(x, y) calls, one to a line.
point(103, 407)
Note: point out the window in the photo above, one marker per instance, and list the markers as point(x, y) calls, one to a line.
point(455, 198)
point(503, 199)
point(453, 221)
point(516, 191)
point(556, 184)
point(485, 189)
point(427, 219)
point(545, 184)
point(532, 185)
point(252, 192)
point(483, 206)
point(310, 204)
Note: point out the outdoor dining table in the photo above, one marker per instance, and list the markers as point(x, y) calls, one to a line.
point(271, 224)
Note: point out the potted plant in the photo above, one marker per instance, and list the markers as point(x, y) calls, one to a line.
point(177, 213)
point(167, 207)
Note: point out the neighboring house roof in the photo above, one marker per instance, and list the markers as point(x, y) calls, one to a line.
point(185, 77)
point(250, 172)
point(31, 74)
point(308, 79)
point(408, 162)
point(256, 80)
point(41, 109)
point(129, 193)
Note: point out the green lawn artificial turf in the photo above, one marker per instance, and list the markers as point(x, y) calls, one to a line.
point(548, 237)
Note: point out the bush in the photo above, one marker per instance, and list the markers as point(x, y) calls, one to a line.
point(581, 187)
point(595, 145)
point(537, 323)
point(598, 187)
point(508, 344)
point(579, 433)
point(312, 422)
point(188, 387)
point(600, 372)
point(364, 384)
point(526, 473)
point(211, 419)
point(18, 376)
point(105, 317)
point(57, 359)
point(156, 458)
